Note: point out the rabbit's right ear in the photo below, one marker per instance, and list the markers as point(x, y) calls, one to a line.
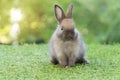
point(59, 13)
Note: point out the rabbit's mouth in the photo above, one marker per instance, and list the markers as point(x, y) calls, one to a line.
point(67, 36)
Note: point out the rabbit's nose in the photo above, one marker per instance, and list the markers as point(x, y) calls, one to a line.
point(69, 31)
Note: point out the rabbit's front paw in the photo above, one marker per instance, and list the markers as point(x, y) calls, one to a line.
point(71, 63)
point(63, 64)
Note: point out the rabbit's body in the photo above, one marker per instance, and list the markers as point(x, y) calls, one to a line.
point(66, 45)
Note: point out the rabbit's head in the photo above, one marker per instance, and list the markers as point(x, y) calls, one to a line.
point(66, 24)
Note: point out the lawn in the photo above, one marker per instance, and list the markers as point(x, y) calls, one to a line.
point(31, 62)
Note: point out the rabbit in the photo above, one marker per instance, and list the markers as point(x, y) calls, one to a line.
point(66, 45)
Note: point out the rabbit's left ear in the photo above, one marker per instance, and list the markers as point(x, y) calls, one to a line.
point(69, 11)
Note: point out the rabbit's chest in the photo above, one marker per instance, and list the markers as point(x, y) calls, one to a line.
point(68, 47)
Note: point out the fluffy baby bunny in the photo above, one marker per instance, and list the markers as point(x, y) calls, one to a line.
point(66, 46)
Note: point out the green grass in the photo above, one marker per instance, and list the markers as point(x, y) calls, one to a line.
point(31, 62)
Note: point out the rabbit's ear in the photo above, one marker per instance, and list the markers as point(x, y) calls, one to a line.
point(69, 11)
point(59, 13)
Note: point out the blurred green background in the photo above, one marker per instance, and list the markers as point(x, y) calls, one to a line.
point(33, 21)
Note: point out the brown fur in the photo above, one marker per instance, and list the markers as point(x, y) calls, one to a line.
point(66, 45)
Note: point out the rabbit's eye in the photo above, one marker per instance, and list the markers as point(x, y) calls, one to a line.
point(61, 27)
